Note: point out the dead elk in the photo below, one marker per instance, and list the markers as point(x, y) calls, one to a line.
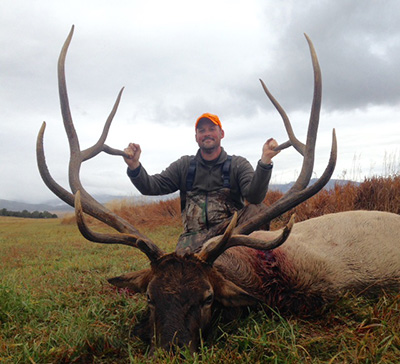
point(321, 258)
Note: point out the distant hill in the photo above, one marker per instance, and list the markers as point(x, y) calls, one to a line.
point(57, 206)
point(21, 206)
point(331, 184)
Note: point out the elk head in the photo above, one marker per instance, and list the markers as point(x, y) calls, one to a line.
point(182, 288)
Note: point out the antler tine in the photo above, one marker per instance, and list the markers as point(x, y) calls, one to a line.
point(128, 233)
point(216, 245)
point(146, 246)
point(100, 146)
point(63, 95)
point(210, 252)
point(308, 160)
point(297, 144)
point(44, 171)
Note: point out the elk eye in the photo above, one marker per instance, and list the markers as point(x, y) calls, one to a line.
point(149, 300)
point(209, 300)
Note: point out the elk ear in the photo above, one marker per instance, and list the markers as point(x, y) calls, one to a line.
point(231, 295)
point(135, 281)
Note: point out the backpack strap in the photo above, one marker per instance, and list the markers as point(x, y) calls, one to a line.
point(226, 175)
point(226, 169)
point(190, 174)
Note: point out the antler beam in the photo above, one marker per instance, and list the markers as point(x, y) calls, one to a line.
point(128, 234)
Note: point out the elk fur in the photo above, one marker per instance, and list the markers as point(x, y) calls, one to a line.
point(323, 257)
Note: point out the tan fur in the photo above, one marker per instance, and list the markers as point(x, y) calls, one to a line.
point(357, 250)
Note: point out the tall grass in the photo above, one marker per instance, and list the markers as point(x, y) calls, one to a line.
point(57, 307)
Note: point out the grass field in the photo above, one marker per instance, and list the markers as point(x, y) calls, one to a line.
point(57, 307)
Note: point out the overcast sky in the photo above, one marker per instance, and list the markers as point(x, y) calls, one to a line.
point(178, 59)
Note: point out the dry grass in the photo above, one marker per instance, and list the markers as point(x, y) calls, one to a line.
point(143, 216)
point(377, 193)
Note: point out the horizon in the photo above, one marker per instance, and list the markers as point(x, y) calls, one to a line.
point(106, 198)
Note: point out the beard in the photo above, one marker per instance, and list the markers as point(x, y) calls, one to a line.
point(209, 147)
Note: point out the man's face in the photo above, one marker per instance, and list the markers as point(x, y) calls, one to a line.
point(208, 135)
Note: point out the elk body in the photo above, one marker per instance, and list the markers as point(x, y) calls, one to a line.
point(324, 257)
point(238, 265)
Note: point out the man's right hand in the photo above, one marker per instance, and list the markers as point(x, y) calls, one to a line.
point(133, 150)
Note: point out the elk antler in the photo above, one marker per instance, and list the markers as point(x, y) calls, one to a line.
point(248, 220)
point(214, 247)
point(85, 202)
point(299, 191)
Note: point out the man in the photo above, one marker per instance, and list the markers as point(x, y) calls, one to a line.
point(212, 184)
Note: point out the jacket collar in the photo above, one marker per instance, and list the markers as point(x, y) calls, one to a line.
point(221, 159)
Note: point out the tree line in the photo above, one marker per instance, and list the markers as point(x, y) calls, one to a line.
point(26, 213)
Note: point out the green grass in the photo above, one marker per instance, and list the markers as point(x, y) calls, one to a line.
point(57, 307)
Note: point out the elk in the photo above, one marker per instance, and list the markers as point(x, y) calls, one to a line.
point(297, 269)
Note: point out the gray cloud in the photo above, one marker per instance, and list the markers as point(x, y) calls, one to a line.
point(175, 65)
point(358, 45)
